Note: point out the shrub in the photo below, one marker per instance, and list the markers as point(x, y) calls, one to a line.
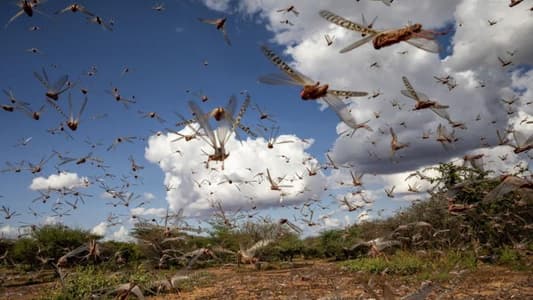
point(56, 240)
point(129, 251)
point(24, 251)
point(332, 243)
point(285, 249)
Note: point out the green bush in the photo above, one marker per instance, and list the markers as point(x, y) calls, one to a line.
point(332, 243)
point(285, 249)
point(129, 251)
point(56, 240)
point(24, 252)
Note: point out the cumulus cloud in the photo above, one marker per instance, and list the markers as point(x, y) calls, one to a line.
point(51, 220)
point(141, 211)
point(121, 235)
point(497, 159)
point(331, 222)
point(100, 229)
point(149, 196)
point(472, 60)
point(7, 231)
point(470, 56)
point(243, 181)
point(307, 24)
point(218, 5)
point(59, 181)
point(363, 216)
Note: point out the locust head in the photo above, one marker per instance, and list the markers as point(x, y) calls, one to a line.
point(27, 7)
point(415, 27)
point(218, 113)
point(220, 23)
point(52, 95)
point(72, 124)
point(424, 104)
point(8, 108)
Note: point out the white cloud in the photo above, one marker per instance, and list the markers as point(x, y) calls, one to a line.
point(218, 5)
point(7, 231)
point(363, 216)
point(149, 196)
point(121, 235)
point(307, 23)
point(498, 159)
point(331, 222)
point(472, 61)
point(100, 229)
point(476, 47)
point(51, 220)
point(59, 181)
point(141, 211)
point(194, 187)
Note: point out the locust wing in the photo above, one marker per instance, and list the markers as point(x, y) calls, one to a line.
point(293, 74)
point(425, 44)
point(208, 21)
point(410, 92)
point(341, 109)
point(262, 243)
point(347, 94)
point(203, 122)
point(358, 43)
point(340, 21)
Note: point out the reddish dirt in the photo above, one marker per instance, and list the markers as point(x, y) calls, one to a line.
point(325, 280)
point(33, 291)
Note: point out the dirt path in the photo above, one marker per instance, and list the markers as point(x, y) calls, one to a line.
point(17, 285)
point(324, 280)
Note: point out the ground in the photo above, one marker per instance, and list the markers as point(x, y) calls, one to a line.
point(326, 280)
point(319, 280)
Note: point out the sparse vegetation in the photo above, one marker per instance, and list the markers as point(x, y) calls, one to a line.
point(84, 282)
point(400, 264)
point(513, 258)
point(428, 265)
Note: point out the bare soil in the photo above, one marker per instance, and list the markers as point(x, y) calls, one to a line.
point(326, 280)
point(15, 284)
point(312, 280)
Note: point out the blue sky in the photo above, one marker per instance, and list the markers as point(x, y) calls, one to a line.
point(165, 52)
